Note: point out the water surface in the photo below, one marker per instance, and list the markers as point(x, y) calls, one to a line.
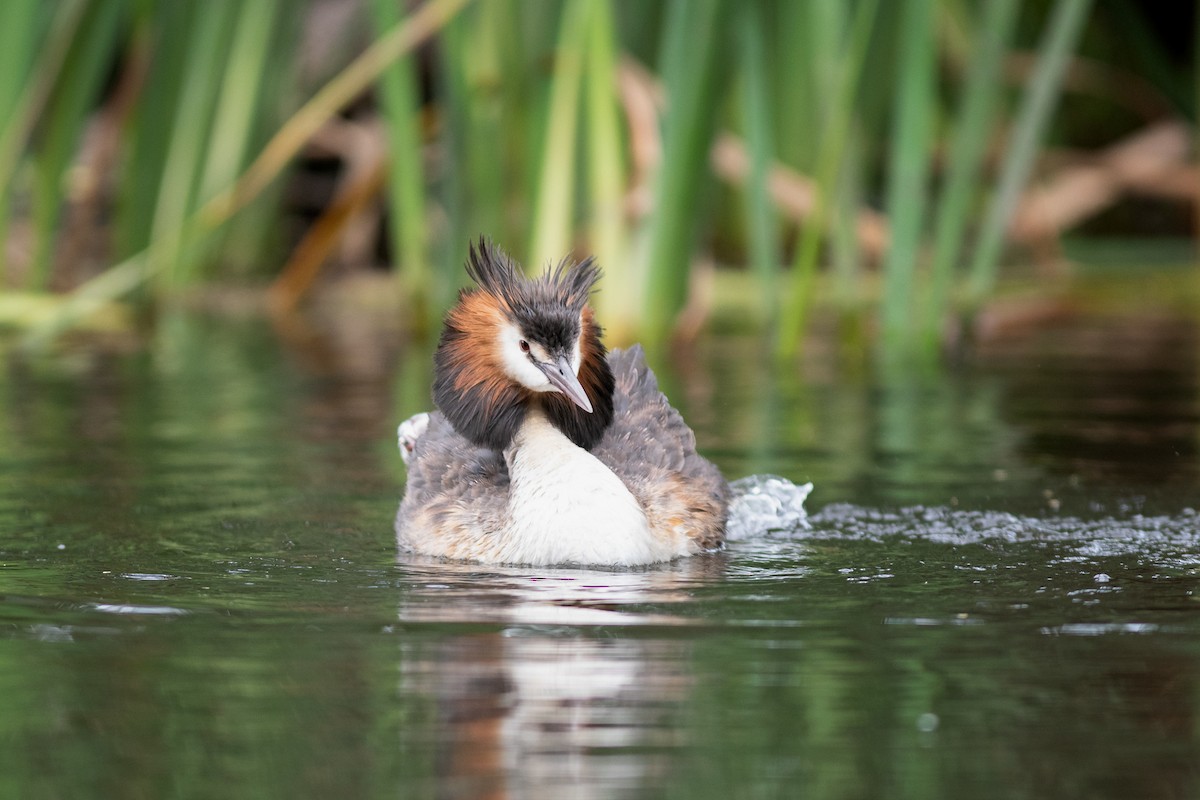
point(200, 594)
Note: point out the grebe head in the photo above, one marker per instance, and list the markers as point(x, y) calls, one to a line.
point(516, 343)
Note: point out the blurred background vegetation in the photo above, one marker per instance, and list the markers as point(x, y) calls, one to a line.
point(889, 162)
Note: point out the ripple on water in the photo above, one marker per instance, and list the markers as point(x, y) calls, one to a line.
point(132, 609)
point(1095, 537)
point(766, 507)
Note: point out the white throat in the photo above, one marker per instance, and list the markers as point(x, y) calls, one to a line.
point(566, 507)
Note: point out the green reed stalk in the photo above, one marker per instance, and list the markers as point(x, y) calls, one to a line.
point(258, 86)
point(980, 95)
point(485, 113)
point(147, 136)
point(236, 115)
point(1062, 33)
point(908, 165)
point(824, 40)
point(20, 34)
point(62, 126)
point(834, 137)
point(482, 103)
point(453, 191)
point(522, 32)
point(618, 300)
point(206, 45)
point(848, 201)
point(795, 92)
point(21, 30)
point(827, 37)
point(554, 201)
point(689, 75)
point(408, 219)
point(761, 224)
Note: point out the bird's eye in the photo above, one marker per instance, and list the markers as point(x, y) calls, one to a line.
point(524, 345)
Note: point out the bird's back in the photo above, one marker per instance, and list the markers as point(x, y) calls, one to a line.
point(653, 451)
point(455, 490)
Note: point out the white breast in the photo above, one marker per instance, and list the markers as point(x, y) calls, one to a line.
point(566, 507)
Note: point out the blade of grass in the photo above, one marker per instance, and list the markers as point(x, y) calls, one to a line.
point(78, 84)
point(190, 125)
point(469, 184)
point(554, 203)
point(20, 34)
point(156, 36)
point(451, 185)
point(690, 78)
point(407, 216)
point(980, 95)
point(518, 29)
point(848, 200)
point(1062, 33)
point(829, 161)
point(235, 117)
point(606, 176)
point(485, 133)
point(827, 35)
point(761, 225)
point(908, 166)
point(795, 93)
point(22, 26)
point(258, 78)
point(35, 92)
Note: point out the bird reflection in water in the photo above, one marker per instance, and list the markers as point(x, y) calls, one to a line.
point(552, 701)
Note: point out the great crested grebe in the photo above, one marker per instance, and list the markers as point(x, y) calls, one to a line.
point(547, 449)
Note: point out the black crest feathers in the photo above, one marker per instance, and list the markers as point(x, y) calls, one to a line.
point(567, 284)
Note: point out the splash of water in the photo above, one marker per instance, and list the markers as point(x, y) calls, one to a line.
point(764, 504)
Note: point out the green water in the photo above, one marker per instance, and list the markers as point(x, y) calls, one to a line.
point(200, 595)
